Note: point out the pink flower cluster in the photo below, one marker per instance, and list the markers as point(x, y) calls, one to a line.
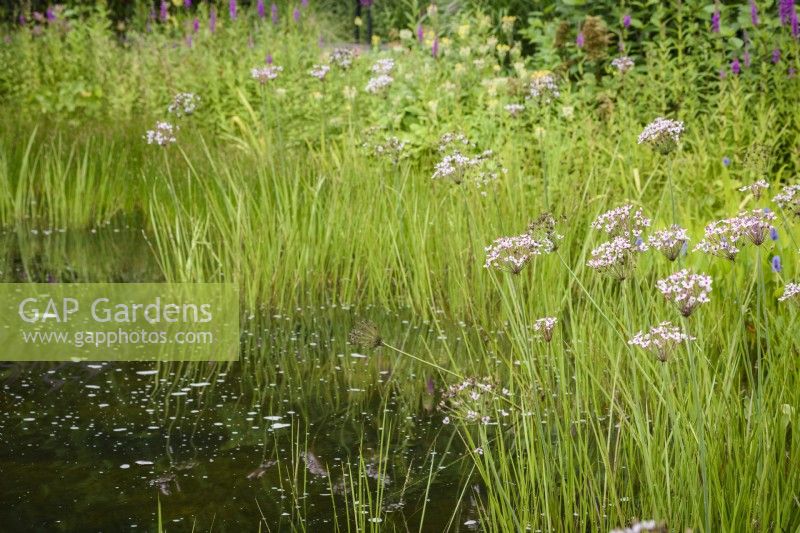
point(790, 292)
point(511, 254)
point(545, 326)
point(663, 134)
point(623, 220)
point(319, 71)
point(669, 241)
point(265, 74)
point(789, 199)
point(623, 64)
point(615, 257)
point(661, 340)
point(723, 238)
point(543, 88)
point(755, 188)
point(686, 290)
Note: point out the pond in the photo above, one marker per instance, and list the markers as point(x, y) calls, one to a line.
point(303, 432)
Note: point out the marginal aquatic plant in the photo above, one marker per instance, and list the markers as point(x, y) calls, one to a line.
point(265, 74)
point(543, 229)
point(791, 293)
point(511, 254)
point(378, 84)
point(722, 239)
point(789, 199)
point(543, 88)
point(365, 335)
point(616, 258)
point(545, 327)
point(661, 340)
point(623, 64)
point(461, 163)
point(670, 241)
point(162, 135)
point(651, 526)
point(625, 220)
point(342, 57)
point(686, 290)
point(756, 189)
point(184, 104)
point(319, 71)
point(662, 135)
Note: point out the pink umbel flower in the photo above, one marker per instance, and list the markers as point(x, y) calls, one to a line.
point(791, 293)
point(669, 242)
point(789, 199)
point(723, 238)
point(162, 135)
point(756, 189)
point(623, 64)
point(265, 74)
point(624, 220)
point(662, 135)
point(319, 71)
point(511, 254)
point(661, 340)
point(686, 290)
point(616, 258)
point(545, 326)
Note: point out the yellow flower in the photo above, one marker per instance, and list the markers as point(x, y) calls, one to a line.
point(376, 40)
point(503, 49)
point(358, 22)
point(463, 31)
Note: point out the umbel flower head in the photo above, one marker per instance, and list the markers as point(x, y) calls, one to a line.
point(661, 340)
point(756, 189)
point(460, 163)
point(686, 290)
point(756, 159)
point(791, 293)
point(625, 220)
point(543, 87)
point(722, 239)
point(184, 104)
point(645, 526)
point(319, 71)
point(378, 84)
point(545, 326)
point(265, 74)
point(623, 64)
point(543, 229)
point(390, 147)
point(366, 335)
point(756, 225)
point(669, 242)
point(162, 135)
point(662, 135)
point(342, 57)
point(511, 254)
point(789, 199)
point(616, 258)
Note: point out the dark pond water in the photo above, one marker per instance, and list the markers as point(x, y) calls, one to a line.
point(303, 433)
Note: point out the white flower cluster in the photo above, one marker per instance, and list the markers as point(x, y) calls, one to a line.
point(391, 148)
point(661, 340)
point(790, 292)
point(722, 238)
point(789, 198)
point(663, 134)
point(378, 83)
point(623, 64)
point(755, 188)
point(686, 290)
point(162, 135)
point(511, 254)
point(319, 71)
point(457, 166)
point(545, 326)
point(265, 74)
point(669, 241)
point(543, 88)
point(184, 104)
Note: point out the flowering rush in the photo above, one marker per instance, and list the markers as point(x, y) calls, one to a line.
point(162, 135)
point(184, 104)
point(342, 57)
point(790, 293)
point(543, 87)
point(623, 64)
point(722, 238)
point(514, 110)
point(661, 340)
point(319, 71)
point(545, 326)
point(669, 241)
point(383, 66)
point(686, 290)
point(755, 188)
point(623, 220)
point(663, 134)
point(615, 257)
point(265, 74)
point(378, 84)
point(789, 199)
point(756, 225)
point(511, 254)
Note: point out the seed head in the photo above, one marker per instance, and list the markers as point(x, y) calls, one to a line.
point(366, 335)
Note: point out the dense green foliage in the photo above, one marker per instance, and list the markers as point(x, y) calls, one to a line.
point(278, 186)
